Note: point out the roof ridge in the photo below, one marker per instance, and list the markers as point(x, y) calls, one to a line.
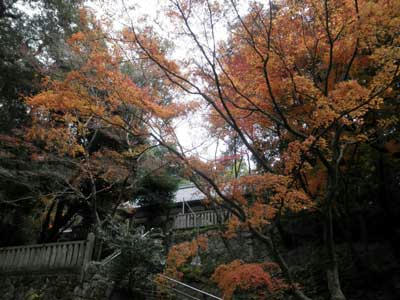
point(185, 186)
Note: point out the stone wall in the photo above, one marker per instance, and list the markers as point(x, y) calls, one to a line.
point(57, 286)
point(35, 287)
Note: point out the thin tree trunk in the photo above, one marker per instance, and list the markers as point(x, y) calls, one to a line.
point(281, 262)
point(332, 270)
point(45, 225)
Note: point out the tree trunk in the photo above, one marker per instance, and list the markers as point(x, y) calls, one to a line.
point(281, 262)
point(332, 275)
point(45, 225)
point(332, 271)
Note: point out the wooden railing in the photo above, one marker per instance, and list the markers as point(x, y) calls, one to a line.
point(197, 219)
point(68, 256)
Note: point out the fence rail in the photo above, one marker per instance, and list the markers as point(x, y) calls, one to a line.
point(203, 294)
point(198, 219)
point(71, 256)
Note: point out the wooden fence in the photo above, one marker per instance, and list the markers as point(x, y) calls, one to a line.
point(198, 219)
point(67, 256)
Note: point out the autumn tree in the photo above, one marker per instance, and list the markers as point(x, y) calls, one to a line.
point(297, 82)
point(300, 88)
point(98, 118)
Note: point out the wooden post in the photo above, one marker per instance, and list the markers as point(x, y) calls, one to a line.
point(89, 248)
point(89, 245)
